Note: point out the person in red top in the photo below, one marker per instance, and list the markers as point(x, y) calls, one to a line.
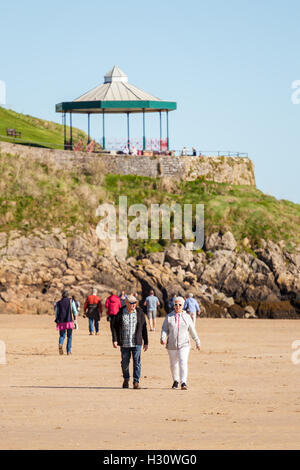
point(112, 305)
point(93, 310)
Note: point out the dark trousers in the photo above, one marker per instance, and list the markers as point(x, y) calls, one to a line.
point(136, 357)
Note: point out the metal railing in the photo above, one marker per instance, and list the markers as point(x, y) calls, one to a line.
point(185, 152)
point(210, 153)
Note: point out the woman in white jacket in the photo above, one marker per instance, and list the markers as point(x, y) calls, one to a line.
point(175, 335)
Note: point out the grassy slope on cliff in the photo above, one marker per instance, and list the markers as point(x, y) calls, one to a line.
point(244, 210)
point(38, 131)
point(35, 195)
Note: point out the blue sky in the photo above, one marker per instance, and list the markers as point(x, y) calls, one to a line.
point(229, 65)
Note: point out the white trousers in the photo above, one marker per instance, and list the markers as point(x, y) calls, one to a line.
point(193, 317)
point(179, 363)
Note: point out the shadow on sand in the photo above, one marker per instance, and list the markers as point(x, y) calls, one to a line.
point(74, 387)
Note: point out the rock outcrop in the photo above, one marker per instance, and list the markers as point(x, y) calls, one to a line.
point(228, 283)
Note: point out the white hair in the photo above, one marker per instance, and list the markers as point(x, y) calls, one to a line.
point(180, 299)
point(191, 295)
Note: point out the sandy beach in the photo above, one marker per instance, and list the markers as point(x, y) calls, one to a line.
point(243, 389)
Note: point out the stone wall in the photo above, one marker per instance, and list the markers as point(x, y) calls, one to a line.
point(234, 170)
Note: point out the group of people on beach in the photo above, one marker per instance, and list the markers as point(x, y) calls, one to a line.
point(129, 331)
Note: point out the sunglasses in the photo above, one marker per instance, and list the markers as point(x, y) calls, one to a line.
point(132, 303)
point(178, 305)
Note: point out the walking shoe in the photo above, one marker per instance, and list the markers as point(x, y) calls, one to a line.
point(125, 383)
point(183, 386)
point(60, 349)
point(69, 353)
point(136, 386)
point(175, 384)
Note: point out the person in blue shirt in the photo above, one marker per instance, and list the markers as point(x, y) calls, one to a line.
point(152, 303)
point(171, 303)
point(191, 306)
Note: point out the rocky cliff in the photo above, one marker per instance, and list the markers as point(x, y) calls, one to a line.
point(233, 170)
point(228, 282)
point(48, 199)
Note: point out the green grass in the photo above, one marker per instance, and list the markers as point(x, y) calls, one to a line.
point(36, 131)
point(244, 210)
point(36, 195)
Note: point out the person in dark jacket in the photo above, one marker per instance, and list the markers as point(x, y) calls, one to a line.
point(123, 298)
point(129, 331)
point(65, 315)
point(93, 310)
point(171, 303)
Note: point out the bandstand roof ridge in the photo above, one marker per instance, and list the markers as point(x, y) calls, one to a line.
point(116, 95)
point(115, 75)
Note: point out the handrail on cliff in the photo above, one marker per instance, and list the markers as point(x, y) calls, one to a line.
point(182, 152)
point(210, 153)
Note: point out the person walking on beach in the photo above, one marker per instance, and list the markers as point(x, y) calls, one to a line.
point(129, 331)
point(175, 336)
point(112, 305)
point(93, 310)
point(171, 303)
point(65, 315)
point(123, 298)
point(191, 306)
point(77, 303)
point(152, 303)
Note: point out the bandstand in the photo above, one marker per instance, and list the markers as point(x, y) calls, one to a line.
point(116, 96)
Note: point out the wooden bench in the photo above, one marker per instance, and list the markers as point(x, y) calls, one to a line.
point(13, 133)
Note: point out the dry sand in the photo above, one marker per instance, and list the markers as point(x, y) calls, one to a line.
point(243, 389)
